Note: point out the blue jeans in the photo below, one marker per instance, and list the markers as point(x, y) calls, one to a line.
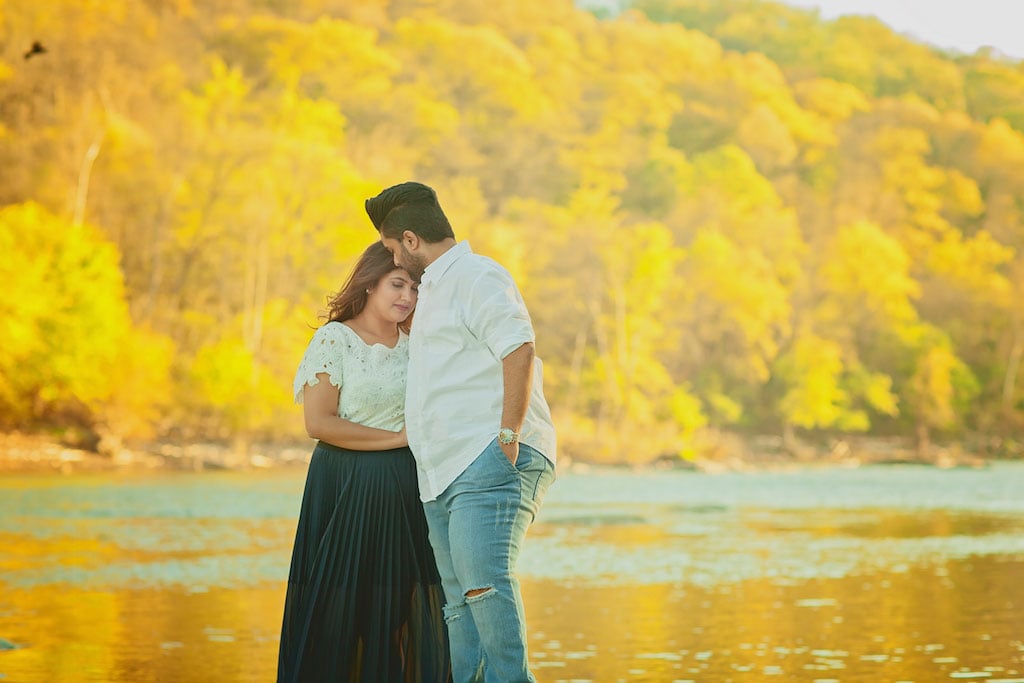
point(477, 527)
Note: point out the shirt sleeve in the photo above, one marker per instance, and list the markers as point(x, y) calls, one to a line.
point(323, 354)
point(496, 313)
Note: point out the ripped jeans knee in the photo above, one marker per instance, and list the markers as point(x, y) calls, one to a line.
point(453, 612)
point(477, 594)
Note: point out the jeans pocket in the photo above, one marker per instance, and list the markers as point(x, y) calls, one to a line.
point(524, 459)
point(496, 451)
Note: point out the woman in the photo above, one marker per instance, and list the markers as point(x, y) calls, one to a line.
point(364, 597)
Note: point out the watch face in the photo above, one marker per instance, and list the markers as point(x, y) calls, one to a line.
point(506, 436)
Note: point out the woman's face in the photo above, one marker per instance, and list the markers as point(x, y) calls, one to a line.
point(393, 297)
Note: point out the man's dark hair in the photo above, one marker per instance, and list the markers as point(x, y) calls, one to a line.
point(409, 206)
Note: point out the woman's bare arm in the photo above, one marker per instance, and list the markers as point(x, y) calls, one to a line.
point(320, 408)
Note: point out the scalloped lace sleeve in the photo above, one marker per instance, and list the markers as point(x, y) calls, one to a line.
point(324, 354)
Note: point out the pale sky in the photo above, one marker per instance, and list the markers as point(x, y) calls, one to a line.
point(963, 25)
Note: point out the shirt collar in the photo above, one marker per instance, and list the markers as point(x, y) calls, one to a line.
point(433, 272)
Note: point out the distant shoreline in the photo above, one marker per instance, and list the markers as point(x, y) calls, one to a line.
point(36, 454)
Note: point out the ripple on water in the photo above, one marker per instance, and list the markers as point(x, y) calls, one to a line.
point(814, 576)
point(666, 545)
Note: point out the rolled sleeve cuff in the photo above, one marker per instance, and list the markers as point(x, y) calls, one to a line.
point(509, 346)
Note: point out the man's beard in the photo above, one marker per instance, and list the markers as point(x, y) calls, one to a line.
point(413, 264)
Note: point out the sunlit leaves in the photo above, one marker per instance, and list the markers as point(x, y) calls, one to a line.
point(941, 385)
point(865, 274)
point(67, 334)
point(996, 90)
point(767, 139)
point(134, 409)
point(728, 193)
point(221, 375)
point(731, 172)
point(1002, 146)
point(739, 309)
point(961, 196)
point(328, 59)
point(812, 370)
point(973, 264)
point(497, 79)
point(826, 388)
point(71, 287)
point(831, 99)
point(721, 213)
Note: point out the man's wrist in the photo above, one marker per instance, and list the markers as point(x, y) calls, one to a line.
point(507, 436)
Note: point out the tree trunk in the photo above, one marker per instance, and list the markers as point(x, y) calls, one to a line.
point(1012, 365)
point(789, 438)
point(924, 442)
point(84, 174)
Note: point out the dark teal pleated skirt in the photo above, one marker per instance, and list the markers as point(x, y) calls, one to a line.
point(364, 596)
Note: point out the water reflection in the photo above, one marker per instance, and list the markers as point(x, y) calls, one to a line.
point(142, 635)
point(920, 625)
point(180, 578)
point(924, 624)
point(738, 545)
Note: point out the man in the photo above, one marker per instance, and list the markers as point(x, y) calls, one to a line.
point(478, 426)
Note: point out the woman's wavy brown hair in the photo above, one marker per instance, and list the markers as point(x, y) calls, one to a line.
point(373, 265)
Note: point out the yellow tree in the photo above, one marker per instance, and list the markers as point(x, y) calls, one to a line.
point(941, 215)
point(599, 287)
point(744, 264)
point(639, 265)
point(995, 89)
point(827, 375)
point(267, 203)
point(491, 94)
point(940, 388)
point(814, 397)
point(868, 306)
point(71, 355)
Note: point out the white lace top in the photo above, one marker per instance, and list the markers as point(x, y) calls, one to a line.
point(371, 377)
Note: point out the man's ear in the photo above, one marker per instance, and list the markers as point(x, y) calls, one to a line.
point(411, 240)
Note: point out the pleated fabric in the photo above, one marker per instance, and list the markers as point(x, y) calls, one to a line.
point(364, 600)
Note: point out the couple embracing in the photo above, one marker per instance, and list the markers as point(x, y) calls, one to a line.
point(435, 449)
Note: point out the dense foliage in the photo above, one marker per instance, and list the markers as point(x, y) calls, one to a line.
point(725, 215)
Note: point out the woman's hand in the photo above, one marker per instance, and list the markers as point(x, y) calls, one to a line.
point(320, 407)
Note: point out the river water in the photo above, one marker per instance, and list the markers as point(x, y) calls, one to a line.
point(876, 574)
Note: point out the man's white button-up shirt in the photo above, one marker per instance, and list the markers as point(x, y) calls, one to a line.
point(469, 316)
